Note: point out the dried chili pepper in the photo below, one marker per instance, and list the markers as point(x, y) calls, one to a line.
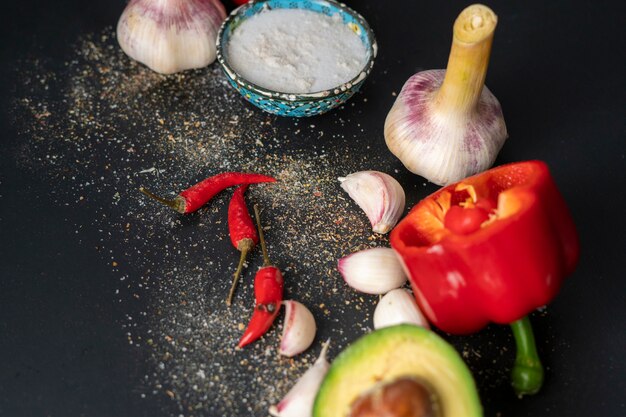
point(268, 294)
point(199, 194)
point(242, 232)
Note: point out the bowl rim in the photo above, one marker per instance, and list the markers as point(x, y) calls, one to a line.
point(316, 95)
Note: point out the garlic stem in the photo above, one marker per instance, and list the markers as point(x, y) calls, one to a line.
point(469, 57)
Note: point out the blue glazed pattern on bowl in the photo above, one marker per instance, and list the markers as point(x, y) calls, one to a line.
point(287, 104)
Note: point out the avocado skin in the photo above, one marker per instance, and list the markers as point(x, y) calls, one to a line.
point(352, 366)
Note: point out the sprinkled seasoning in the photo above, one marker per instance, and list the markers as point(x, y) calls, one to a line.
point(98, 126)
point(118, 126)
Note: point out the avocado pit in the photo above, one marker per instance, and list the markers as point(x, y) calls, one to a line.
point(402, 397)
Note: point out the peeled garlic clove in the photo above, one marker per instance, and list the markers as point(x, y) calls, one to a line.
point(372, 271)
point(379, 195)
point(299, 329)
point(299, 400)
point(397, 307)
point(445, 124)
point(171, 35)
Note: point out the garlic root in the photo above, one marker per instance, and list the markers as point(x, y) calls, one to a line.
point(446, 125)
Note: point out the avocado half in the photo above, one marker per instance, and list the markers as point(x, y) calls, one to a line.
point(396, 353)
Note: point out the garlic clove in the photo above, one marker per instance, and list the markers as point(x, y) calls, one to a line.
point(171, 35)
point(446, 125)
point(379, 195)
point(299, 329)
point(299, 400)
point(372, 271)
point(397, 307)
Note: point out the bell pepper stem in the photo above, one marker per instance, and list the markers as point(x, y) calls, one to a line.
point(527, 373)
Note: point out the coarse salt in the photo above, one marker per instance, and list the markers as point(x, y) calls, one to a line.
point(296, 51)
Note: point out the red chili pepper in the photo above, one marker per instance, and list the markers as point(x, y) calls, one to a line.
point(493, 247)
point(198, 195)
point(268, 294)
point(240, 2)
point(242, 232)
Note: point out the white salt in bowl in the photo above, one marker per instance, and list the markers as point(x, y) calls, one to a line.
point(296, 104)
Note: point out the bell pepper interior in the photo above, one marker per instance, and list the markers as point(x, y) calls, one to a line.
point(424, 226)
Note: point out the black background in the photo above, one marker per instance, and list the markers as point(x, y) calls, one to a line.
point(557, 68)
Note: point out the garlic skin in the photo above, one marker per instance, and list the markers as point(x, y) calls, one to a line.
point(398, 307)
point(299, 329)
point(170, 36)
point(445, 125)
point(379, 195)
point(372, 271)
point(299, 400)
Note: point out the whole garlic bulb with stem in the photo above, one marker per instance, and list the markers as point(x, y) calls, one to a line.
point(446, 125)
point(379, 195)
point(169, 36)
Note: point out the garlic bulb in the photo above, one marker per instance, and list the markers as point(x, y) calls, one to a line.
point(299, 329)
point(397, 307)
point(299, 400)
point(372, 271)
point(171, 35)
point(446, 125)
point(379, 195)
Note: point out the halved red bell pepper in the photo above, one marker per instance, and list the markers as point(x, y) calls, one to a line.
point(491, 248)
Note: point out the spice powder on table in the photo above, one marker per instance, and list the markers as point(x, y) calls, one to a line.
point(102, 125)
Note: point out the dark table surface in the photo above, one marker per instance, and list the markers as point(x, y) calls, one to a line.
point(72, 304)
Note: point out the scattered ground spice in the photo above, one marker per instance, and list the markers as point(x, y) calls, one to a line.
point(102, 126)
point(107, 125)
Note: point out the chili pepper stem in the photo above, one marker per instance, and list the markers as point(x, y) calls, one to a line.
point(245, 246)
point(177, 203)
point(266, 259)
point(527, 373)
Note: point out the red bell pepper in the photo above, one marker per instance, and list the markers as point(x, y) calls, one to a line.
point(491, 248)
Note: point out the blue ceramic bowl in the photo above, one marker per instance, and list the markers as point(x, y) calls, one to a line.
point(288, 104)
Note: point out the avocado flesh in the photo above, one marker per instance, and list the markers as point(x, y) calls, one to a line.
point(391, 353)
